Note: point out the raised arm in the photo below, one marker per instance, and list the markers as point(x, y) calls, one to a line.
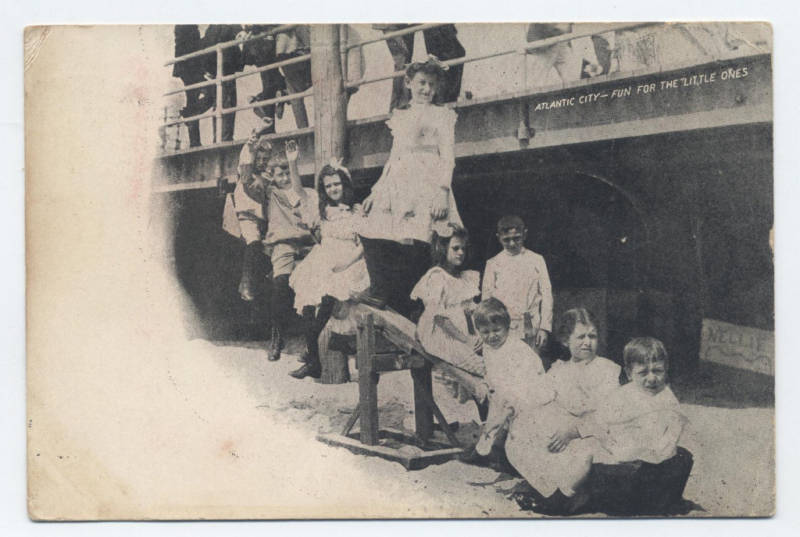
point(546, 289)
point(246, 156)
point(487, 285)
point(292, 152)
point(439, 207)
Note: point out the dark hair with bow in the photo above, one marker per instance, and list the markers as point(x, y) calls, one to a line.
point(334, 168)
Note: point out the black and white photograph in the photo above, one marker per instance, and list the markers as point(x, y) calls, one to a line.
point(401, 270)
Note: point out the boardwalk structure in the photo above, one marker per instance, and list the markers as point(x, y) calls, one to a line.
point(647, 190)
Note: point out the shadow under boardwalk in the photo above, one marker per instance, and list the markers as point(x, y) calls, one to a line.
point(722, 386)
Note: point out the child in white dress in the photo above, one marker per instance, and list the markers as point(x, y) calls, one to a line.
point(523, 402)
point(335, 268)
point(585, 380)
point(448, 293)
point(412, 198)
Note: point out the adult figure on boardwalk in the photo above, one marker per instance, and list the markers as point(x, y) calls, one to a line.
point(231, 63)
point(187, 40)
point(261, 52)
point(442, 42)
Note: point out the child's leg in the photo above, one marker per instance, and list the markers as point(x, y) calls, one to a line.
point(376, 256)
point(483, 408)
point(324, 313)
point(394, 269)
point(497, 419)
point(313, 324)
point(411, 262)
point(253, 258)
point(280, 310)
point(283, 261)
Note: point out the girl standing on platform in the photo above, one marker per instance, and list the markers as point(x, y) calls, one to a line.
point(335, 268)
point(412, 198)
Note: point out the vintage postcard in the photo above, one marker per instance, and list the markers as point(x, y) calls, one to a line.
point(428, 270)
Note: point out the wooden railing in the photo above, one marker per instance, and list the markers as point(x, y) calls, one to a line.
point(219, 111)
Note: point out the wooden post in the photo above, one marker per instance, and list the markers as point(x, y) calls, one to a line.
point(367, 381)
point(334, 363)
point(423, 393)
point(218, 101)
point(330, 103)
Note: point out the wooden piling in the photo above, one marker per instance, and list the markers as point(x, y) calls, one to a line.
point(330, 103)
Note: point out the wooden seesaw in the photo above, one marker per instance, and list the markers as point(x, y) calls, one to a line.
point(404, 353)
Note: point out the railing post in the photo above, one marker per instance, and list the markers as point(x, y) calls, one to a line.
point(523, 129)
point(218, 102)
point(330, 108)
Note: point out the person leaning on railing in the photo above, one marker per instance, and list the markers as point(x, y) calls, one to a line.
point(261, 52)
point(582, 57)
point(231, 63)
point(297, 42)
point(187, 40)
point(290, 44)
point(442, 42)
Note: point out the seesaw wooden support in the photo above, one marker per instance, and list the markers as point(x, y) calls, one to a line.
point(413, 451)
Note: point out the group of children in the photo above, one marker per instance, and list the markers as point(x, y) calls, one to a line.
point(406, 243)
point(556, 425)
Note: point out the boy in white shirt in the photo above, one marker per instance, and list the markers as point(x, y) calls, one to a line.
point(639, 468)
point(640, 420)
point(518, 278)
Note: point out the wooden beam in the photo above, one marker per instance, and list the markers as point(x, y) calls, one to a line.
point(402, 332)
point(367, 381)
point(330, 104)
point(351, 421)
point(423, 397)
point(397, 362)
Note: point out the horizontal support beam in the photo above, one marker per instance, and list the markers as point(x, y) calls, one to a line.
point(228, 44)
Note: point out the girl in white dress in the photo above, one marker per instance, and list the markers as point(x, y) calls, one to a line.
point(335, 268)
point(412, 198)
point(543, 443)
point(448, 293)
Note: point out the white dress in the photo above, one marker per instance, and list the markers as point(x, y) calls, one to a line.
point(447, 296)
point(635, 425)
point(314, 276)
point(420, 164)
point(578, 390)
point(583, 386)
point(521, 395)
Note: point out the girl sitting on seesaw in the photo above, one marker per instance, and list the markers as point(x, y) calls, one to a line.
point(335, 268)
point(448, 293)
